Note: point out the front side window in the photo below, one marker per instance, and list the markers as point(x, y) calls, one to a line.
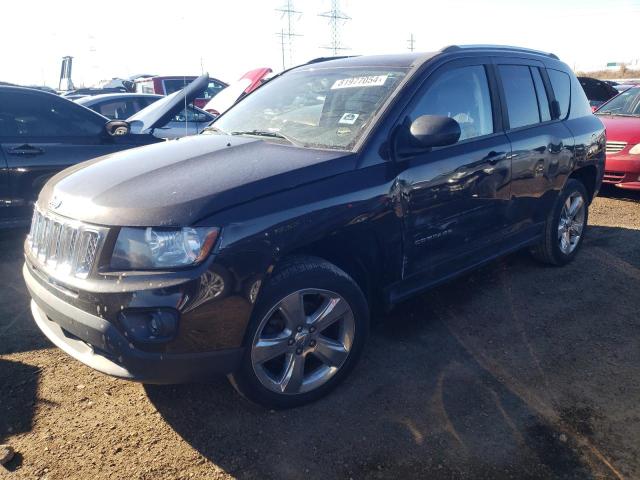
point(462, 94)
point(33, 115)
point(561, 84)
point(316, 107)
point(520, 95)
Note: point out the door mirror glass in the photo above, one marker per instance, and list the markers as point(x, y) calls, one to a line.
point(429, 131)
point(117, 128)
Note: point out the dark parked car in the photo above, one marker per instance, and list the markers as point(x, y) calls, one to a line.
point(597, 91)
point(41, 133)
point(258, 248)
point(122, 106)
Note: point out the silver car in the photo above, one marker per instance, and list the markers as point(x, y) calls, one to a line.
point(125, 106)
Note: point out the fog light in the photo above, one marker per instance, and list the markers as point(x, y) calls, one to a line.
point(150, 325)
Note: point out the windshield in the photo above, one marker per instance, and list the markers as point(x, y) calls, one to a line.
point(625, 104)
point(317, 108)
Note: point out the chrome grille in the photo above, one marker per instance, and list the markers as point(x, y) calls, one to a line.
point(615, 147)
point(65, 246)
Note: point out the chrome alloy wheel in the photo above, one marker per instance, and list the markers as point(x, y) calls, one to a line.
point(303, 341)
point(571, 225)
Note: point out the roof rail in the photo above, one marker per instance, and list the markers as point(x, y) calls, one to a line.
point(452, 48)
point(326, 59)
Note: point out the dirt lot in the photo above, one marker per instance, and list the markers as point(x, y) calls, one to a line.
point(517, 371)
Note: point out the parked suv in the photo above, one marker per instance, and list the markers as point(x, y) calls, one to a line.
point(259, 248)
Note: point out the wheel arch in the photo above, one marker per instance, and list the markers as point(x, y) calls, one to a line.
point(359, 257)
point(587, 175)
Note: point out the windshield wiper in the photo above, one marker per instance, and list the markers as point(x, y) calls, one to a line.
point(615, 114)
point(266, 133)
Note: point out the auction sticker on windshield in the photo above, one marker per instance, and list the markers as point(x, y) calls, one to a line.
point(349, 118)
point(368, 81)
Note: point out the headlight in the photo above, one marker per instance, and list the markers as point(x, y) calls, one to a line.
point(156, 247)
point(635, 150)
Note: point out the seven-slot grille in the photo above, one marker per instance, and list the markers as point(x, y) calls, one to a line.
point(615, 147)
point(67, 247)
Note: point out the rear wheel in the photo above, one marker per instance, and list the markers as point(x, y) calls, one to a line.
point(565, 226)
point(307, 332)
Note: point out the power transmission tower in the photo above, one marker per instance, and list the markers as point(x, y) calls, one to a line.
point(336, 19)
point(287, 34)
point(411, 43)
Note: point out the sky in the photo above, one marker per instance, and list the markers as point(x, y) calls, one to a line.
point(228, 37)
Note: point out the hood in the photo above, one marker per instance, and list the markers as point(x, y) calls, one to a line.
point(621, 129)
point(183, 181)
point(159, 113)
point(231, 94)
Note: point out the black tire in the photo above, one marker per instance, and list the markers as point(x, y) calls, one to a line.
point(548, 250)
point(293, 275)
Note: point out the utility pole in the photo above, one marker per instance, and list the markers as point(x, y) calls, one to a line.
point(336, 19)
point(411, 43)
point(289, 12)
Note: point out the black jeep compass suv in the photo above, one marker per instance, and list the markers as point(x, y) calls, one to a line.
point(258, 248)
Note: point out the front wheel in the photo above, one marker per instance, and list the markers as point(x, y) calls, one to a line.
point(306, 333)
point(565, 226)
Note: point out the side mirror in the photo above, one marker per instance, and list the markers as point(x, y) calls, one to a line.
point(117, 128)
point(429, 131)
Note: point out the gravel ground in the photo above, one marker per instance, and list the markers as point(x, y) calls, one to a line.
point(516, 371)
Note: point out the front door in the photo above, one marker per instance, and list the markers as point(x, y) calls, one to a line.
point(455, 198)
point(5, 202)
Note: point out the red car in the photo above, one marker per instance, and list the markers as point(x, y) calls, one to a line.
point(167, 85)
point(621, 117)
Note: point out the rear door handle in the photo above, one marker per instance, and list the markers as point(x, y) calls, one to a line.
point(25, 150)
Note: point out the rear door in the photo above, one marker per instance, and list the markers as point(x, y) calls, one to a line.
point(541, 145)
point(42, 134)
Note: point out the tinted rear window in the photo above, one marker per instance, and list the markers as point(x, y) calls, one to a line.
point(561, 84)
point(520, 95)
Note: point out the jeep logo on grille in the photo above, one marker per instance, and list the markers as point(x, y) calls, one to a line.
point(54, 203)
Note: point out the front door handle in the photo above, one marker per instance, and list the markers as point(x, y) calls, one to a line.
point(25, 150)
point(494, 157)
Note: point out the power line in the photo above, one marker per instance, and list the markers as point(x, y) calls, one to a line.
point(287, 35)
point(411, 43)
point(336, 19)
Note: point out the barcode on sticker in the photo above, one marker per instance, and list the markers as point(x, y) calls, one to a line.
point(369, 81)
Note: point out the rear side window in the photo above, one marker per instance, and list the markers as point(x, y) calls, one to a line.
point(462, 94)
point(561, 84)
point(117, 109)
point(543, 100)
point(520, 95)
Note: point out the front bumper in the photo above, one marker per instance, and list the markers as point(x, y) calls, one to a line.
point(623, 171)
point(99, 344)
